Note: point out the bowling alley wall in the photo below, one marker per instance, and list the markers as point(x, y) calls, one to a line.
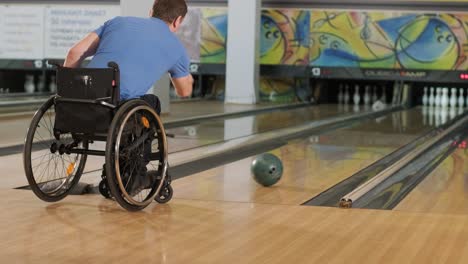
point(334, 38)
point(389, 40)
point(32, 34)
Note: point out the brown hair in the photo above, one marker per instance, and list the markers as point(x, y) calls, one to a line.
point(169, 10)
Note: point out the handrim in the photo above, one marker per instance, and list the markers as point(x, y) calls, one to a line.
point(126, 195)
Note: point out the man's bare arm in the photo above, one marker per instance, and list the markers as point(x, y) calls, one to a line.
point(81, 50)
point(183, 86)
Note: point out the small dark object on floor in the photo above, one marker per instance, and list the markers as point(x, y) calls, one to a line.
point(81, 188)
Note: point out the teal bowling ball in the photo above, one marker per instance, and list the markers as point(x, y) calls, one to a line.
point(267, 169)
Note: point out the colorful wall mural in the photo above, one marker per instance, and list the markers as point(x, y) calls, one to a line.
point(278, 90)
point(213, 35)
point(285, 37)
point(190, 33)
point(389, 40)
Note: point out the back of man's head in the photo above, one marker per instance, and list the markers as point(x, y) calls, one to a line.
point(169, 10)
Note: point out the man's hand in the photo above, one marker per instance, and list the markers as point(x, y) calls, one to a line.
point(183, 85)
point(83, 49)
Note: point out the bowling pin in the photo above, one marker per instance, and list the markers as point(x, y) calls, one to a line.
point(461, 98)
point(425, 110)
point(357, 97)
point(346, 95)
point(437, 116)
point(41, 84)
point(356, 108)
point(444, 114)
point(438, 96)
point(29, 86)
point(384, 95)
point(453, 98)
point(460, 110)
point(346, 107)
point(375, 98)
point(453, 113)
point(444, 100)
point(367, 97)
point(53, 85)
point(431, 116)
point(340, 94)
point(395, 93)
point(404, 120)
point(425, 98)
point(431, 97)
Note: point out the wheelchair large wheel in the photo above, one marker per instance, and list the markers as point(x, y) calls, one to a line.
point(136, 148)
point(50, 170)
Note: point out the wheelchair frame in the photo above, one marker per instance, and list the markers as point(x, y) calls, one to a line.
point(151, 129)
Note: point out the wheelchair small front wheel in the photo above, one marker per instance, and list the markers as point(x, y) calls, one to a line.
point(50, 169)
point(104, 190)
point(136, 155)
point(165, 195)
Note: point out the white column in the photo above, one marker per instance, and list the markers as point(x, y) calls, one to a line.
point(242, 64)
point(141, 8)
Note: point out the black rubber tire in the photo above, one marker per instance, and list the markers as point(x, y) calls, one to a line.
point(104, 190)
point(112, 135)
point(165, 195)
point(27, 162)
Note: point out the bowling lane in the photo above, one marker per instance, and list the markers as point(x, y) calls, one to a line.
point(11, 103)
point(219, 130)
point(206, 132)
point(311, 165)
point(209, 131)
point(15, 120)
point(444, 191)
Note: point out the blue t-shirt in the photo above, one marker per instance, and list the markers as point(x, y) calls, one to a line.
point(145, 50)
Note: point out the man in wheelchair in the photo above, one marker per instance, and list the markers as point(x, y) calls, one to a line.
point(140, 51)
point(144, 49)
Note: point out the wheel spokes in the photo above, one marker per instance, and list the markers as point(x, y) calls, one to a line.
point(135, 148)
point(51, 170)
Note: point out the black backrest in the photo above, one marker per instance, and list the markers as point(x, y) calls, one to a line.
point(88, 83)
point(85, 98)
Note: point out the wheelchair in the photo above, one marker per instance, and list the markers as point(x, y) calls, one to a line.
point(85, 110)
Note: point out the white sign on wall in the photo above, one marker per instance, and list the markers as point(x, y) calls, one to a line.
point(67, 24)
point(1, 35)
point(21, 31)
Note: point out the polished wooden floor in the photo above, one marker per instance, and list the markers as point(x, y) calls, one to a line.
point(223, 216)
point(311, 165)
point(90, 230)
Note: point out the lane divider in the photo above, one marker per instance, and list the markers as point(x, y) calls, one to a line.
point(349, 199)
